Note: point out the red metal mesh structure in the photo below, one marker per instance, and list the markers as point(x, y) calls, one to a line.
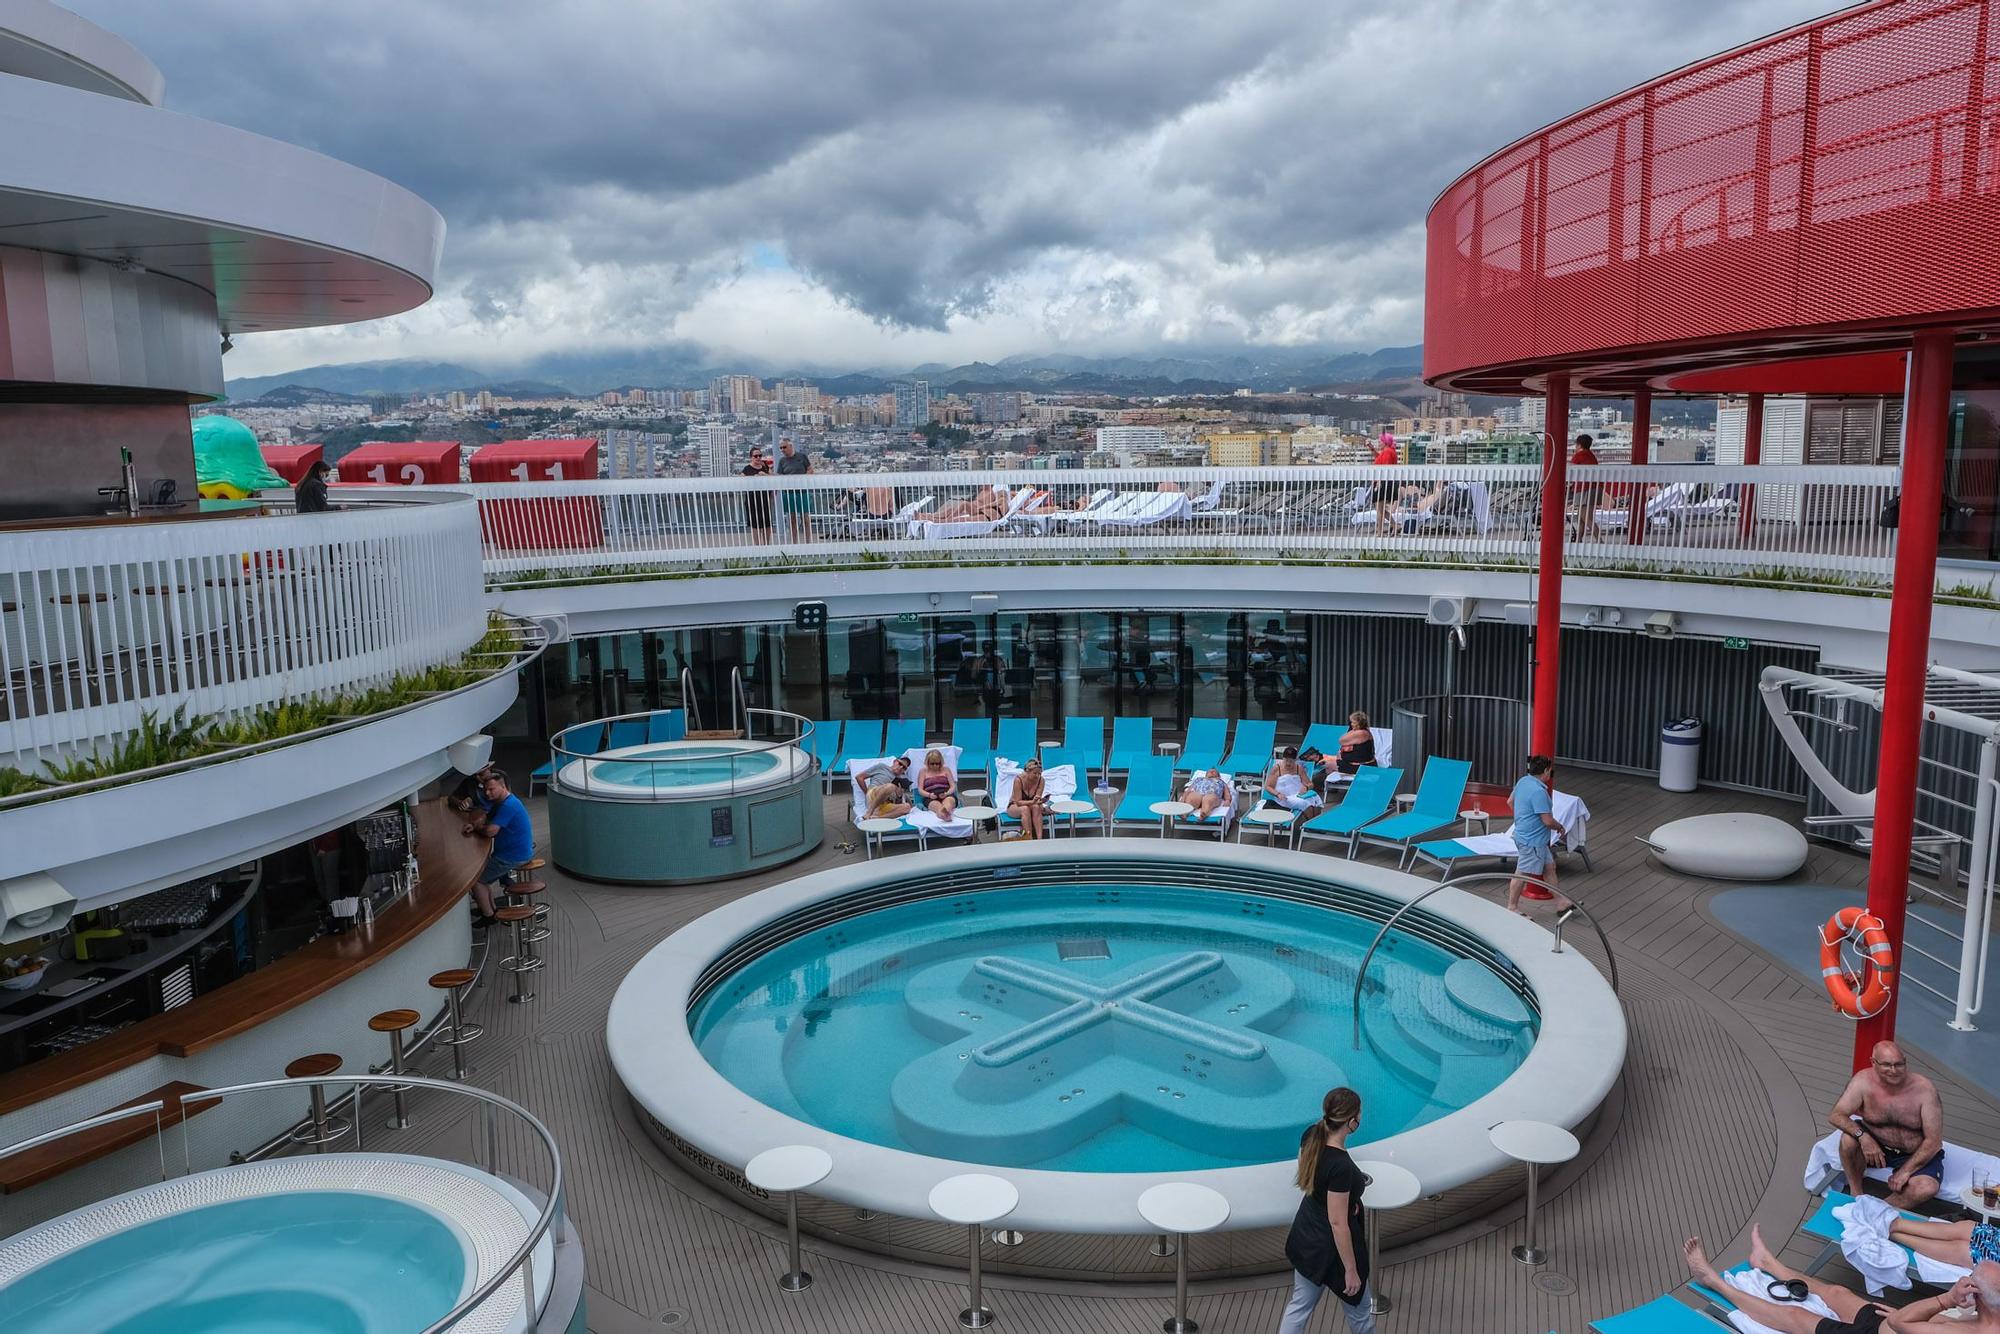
point(1825, 188)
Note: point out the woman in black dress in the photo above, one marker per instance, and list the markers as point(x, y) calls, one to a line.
point(757, 505)
point(1328, 1246)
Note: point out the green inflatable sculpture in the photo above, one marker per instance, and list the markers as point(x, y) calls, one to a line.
point(227, 463)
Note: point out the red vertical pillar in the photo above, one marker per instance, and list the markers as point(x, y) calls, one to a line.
point(1549, 570)
point(1642, 453)
point(1926, 429)
point(1753, 453)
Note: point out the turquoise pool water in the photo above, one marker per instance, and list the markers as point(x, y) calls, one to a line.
point(1106, 1028)
point(320, 1262)
point(681, 764)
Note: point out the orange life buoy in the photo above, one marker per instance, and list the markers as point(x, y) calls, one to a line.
point(1866, 996)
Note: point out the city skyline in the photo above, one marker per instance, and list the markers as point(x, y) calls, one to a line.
point(891, 188)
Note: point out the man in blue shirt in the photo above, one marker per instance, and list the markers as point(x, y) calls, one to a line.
point(507, 824)
point(1534, 831)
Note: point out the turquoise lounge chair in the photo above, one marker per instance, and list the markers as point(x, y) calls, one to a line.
point(1826, 1229)
point(1440, 797)
point(1131, 741)
point(1092, 819)
point(902, 734)
point(1207, 738)
point(823, 742)
point(974, 739)
point(860, 739)
point(1016, 740)
point(579, 740)
point(1368, 799)
point(1256, 738)
point(1149, 778)
point(1662, 1315)
point(1325, 737)
point(1085, 737)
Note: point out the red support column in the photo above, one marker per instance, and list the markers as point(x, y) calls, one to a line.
point(1753, 453)
point(1549, 570)
point(1642, 452)
point(1926, 431)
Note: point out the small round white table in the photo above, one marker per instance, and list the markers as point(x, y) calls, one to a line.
point(790, 1169)
point(1536, 1143)
point(1268, 818)
point(1483, 818)
point(1971, 1200)
point(1072, 809)
point(974, 1199)
point(873, 830)
point(1182, 1208)
point(1170, 748)
point(978, 815)
point(1405, 801)
point(1169, 811)
point(974, 793)
point(1390, 1186)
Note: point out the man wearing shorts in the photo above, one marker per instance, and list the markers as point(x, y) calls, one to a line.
point(1534, 830)
point(1889, 1116)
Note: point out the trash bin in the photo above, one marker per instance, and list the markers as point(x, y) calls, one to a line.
point(1680, 754)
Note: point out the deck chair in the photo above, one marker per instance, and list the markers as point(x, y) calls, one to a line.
point(1256, 738)
point(974, 739)
point(1666, 1315)
point(823, 742)
point(1085, 736)
point(1061, 787)
point(889, 525)
point(1440, 797)
point(1131, 742)
point(1079, 758)
point(1037, 518)
point(1207, 738)
point(1218, 820)
point(1824, 1228)
point(860, 739)
point(1446, 853)
point(1148, 778)
point(1961, 1165)
point(586, 739)
point(667, 725)
point(1325, 737)
point(902, 734)
point(1153, 507)
point(857, 806)
point(934, 530)
point(1368, 799)
point(1016, 740)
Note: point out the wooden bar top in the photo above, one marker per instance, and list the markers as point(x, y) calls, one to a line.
point(447, 864)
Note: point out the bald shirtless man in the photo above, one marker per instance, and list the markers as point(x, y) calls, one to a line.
point(1978, 1292)
point(1890, 1117)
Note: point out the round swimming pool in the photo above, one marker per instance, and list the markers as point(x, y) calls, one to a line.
point(1090, 1017)
point(338, 1244)
point(683, 770)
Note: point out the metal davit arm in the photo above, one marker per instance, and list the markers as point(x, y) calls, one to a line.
point(1361, 973)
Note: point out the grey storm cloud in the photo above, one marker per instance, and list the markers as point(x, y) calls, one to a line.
point(1256, 170)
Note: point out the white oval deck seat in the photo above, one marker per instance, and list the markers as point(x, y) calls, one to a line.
point(1730, 845)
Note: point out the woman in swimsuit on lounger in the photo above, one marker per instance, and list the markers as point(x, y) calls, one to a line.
point(1030, 791)
point(1207, 792)
point(1357, 744)
point(939, 789)
point(1288, 782)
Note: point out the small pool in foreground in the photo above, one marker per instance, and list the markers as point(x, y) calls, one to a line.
point(1107, 1028)
point(333, 1261)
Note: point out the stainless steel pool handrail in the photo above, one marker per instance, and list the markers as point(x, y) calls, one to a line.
point(1361, 973)
point(800, 727)
point(521, 1261)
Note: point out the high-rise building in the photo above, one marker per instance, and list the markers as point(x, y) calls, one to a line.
point(913, 403)
point(1129, 442)
point(800, 394)
point(712, 440)
point(485, 400)
point(1246, 449)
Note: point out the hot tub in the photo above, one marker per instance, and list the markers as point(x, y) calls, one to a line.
point(1088, 1018)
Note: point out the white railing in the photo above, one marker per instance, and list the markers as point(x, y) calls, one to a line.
point(1809, 525)
point(100, 626)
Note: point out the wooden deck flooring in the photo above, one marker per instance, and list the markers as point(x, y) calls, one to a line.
point(1733, 1063)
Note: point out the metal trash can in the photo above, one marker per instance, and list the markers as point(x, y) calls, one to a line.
point(1680, 754)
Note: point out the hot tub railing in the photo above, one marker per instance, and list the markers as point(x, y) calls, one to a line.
point(574, 767)
point(487, 1151)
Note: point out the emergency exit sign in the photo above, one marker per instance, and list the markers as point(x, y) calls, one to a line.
point(1736, 641)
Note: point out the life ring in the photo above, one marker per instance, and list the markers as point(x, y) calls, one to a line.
point(1868, 995)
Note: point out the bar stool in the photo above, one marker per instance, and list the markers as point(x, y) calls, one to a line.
point(324, 1129)
point(1390, 1186)
point(788, 1170)
point(395, 1023)
point(453, 981)
point(537, 930)
point(974, 1199)
point(1183, 1209)
point(521, 962)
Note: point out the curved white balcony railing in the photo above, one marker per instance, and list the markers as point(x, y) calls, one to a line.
point(100, 626)
point(1805, 526)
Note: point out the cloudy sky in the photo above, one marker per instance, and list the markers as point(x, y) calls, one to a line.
point(857, 183)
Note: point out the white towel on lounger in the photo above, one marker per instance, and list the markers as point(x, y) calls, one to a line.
point(1758, 1284)
point(1883, 1263)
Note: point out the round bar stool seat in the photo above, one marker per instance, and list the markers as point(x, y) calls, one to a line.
point(1183, 1209)
point(395, 1023)
point(526, 891)
point(453, 981)
point(1538, 1144)
point(1390, 1186)
point(320, 1129)
point(523, 960)
point(974, 1199)
point(533, 864)
point(789, 1169)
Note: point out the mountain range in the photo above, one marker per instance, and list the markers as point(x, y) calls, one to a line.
point(1265, 370)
